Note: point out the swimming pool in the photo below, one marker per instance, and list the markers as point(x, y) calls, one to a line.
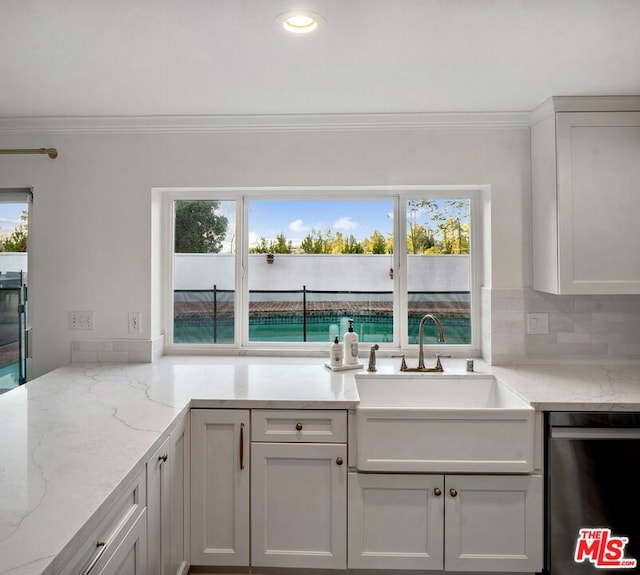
point(9, 376)
point(320, 329)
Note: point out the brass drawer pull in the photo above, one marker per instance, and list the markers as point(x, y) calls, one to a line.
point(339, 460)
point(437, 492)
point(241, 447)
point(299, 426)
point(453, 492)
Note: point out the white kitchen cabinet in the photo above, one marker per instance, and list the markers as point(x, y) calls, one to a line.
point(130, 557)
point(445, 522)
point(166, 496)
point(158, 509)
point(585, 155)
point(299, 490)
point(180, 439)
point(493, 523)
point(220, 487)
point(395, 521)
point(118, 543)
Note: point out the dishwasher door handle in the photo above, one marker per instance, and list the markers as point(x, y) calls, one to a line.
point(595, 433)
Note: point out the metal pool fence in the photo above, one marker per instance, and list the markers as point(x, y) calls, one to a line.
point(303, 315)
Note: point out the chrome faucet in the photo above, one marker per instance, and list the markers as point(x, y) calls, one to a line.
point(421, 366)
point(372, 358)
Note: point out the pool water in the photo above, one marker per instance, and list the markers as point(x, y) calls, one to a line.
point(9, 376)
point(320, 330)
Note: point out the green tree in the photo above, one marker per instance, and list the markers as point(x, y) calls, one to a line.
point(337, 245)
point(455, 236)
point(17, 240)
point(375, 244)
point(281, 245)
point(352, 246)
point(419, 239)
point(261, 247)
point(450, 218)
point(316, 242)
point(200, 228)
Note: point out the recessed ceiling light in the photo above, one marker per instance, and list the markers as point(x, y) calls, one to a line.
point(299, 22)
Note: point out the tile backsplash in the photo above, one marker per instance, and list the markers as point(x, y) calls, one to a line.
point(581, 328)
point(585, 327)
point(116, 350)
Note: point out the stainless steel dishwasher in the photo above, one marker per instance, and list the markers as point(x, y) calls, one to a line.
point(592, 493)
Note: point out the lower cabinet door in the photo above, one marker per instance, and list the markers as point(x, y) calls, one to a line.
point(178, 499)
point(130, 557)
point(298, 505)
point(158, 510)
point(493, 523)
point(220, 487)
point(395, 521)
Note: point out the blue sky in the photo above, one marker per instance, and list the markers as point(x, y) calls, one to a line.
point(297, 218)
point(10, 217)
point(360, 218)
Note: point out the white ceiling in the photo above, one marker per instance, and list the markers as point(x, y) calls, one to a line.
point(202, 57)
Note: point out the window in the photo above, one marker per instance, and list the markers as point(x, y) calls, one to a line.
point(204, 279)
point(14, 326)
point(286, 268)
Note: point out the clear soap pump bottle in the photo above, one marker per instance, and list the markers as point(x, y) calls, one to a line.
point(351, 346)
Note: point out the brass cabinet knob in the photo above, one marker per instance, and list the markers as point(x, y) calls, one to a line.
point(298, 426)
point(437, 492)
point(453, 492)
point(339, 460)
point(163, 457)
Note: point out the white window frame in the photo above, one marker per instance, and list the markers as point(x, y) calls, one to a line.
point(241, 195)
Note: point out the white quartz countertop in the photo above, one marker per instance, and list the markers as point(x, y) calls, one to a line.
point(70, 437)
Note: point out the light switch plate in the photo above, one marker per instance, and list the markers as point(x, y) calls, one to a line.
point(537, 323)
point(81, 320)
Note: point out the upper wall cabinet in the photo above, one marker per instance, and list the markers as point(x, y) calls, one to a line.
point(585, 155)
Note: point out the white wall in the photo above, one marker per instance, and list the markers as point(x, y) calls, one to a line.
point(91, 222)
point(323, 272)
point(13, 262)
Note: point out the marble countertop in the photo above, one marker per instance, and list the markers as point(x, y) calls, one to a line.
point(602, 387)
point(70, 437)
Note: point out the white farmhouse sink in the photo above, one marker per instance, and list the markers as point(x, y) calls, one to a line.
point(441, 423)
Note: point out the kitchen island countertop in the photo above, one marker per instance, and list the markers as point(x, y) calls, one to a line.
point(72, 436)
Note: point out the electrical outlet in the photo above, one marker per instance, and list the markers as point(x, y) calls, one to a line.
point(135, 322)
point(537, 323)
point(81, 320)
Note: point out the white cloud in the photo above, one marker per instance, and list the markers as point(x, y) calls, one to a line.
point(253, 238)
point(298, 226)
point(345, 223)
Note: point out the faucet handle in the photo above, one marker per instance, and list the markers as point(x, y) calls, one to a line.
point(403, 363)
point(438, 362)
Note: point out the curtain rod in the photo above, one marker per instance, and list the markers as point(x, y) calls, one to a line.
point(51, 152)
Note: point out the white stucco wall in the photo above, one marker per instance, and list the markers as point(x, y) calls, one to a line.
point(93, 246)
point(13, 262)
point(434, 273)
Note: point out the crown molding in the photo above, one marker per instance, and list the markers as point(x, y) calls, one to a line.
point(261, 123)
point(557, 104)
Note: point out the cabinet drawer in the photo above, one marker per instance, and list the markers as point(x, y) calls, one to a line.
point(300, 426)
point(95, 550)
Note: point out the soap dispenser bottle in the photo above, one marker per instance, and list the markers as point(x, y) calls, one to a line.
point(335, 359)
point(351, 345)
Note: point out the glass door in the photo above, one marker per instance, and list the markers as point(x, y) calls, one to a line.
point(14, 324)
